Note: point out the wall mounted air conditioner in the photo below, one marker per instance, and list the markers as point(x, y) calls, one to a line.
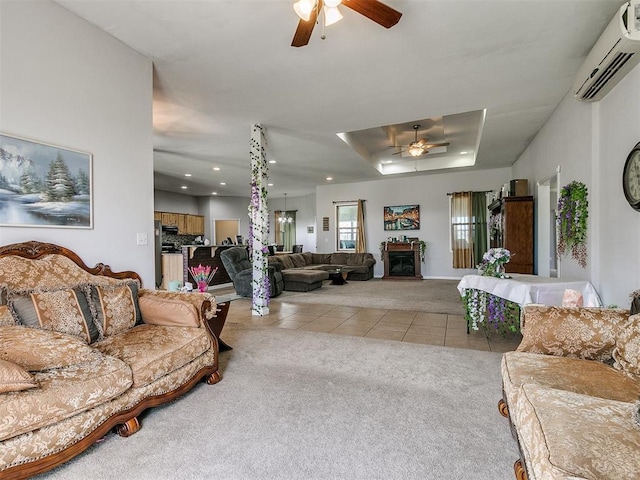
point(615, 53)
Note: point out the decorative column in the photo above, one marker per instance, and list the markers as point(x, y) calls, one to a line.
point(259, 222)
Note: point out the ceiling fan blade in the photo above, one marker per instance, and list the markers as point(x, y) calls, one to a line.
point(305, 28)
point(434, 145)
point(375, 10)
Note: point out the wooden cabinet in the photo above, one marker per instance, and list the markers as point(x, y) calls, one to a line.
point(195, 224)
point(514, 231)
point(187, 224)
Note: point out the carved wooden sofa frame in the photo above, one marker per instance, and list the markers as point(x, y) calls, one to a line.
point(124, 423)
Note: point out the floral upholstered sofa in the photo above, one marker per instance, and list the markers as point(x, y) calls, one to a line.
point(571, 392)
point(86, 350)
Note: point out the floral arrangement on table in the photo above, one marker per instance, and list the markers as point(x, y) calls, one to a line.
point(202, 276)
point(571, 219)
point(490, 312)
point(421, 243)
point(493, 262)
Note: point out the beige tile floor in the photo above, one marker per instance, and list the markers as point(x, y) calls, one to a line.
point(400, 325)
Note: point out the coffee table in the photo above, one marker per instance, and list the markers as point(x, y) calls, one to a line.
point(338, 276)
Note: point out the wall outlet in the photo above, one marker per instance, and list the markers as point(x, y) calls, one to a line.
point(141, 239)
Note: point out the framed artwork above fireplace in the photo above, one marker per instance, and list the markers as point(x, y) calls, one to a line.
point(402, 217)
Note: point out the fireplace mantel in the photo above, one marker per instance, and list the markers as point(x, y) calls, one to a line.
point(395, 256)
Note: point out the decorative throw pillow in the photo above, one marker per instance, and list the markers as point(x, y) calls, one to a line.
point(65, 311)
point(297, 259)
point(14, 378)
point(5, 316)
point(116, 307)
point(168, 312)
point(572, 298)
point(588, 333)
point(627, 351)
point(635, 302)
point(36, 350)
point(286, 261)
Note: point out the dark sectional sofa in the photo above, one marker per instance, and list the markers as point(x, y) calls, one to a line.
point(306, 271)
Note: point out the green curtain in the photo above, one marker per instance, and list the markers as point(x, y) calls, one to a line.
point(479, 219)
point(289, 230)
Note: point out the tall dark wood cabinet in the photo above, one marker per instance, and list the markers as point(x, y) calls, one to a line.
point(514, 232)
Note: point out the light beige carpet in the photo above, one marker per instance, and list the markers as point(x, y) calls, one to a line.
point(298, 405)
point(434, 296)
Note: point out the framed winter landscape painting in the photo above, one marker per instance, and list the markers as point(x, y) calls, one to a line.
point(43, 185)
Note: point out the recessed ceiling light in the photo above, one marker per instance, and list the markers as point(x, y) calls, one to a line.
point(223, 183)
point(269, 184)
point(388, 161)
point(329, 178)
point(214, 193)
point(184, 187)
point(217, 169)
point(187, 174)
point(272, 161)
point(463, 153)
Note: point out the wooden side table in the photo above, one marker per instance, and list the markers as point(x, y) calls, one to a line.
point(216, 323)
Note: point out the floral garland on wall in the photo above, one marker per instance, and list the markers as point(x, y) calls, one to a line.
point(571, 220)
point(259, 223)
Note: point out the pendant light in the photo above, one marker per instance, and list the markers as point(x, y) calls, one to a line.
point(284, 215)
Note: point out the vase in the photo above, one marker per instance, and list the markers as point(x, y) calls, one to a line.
point(203, 286)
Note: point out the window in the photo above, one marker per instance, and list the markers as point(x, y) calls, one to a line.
point(347, 215)
point(468, 228)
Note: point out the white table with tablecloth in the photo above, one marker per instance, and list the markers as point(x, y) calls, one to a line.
point(524, 289)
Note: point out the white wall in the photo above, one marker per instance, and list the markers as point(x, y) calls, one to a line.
point(175, 203)
point(428, 191)
point(305, 208)
point(590, 142)
point(224, 208)
point(64, 82)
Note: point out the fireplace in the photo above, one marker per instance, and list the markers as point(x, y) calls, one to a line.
point(402, 261)
point(402, 264)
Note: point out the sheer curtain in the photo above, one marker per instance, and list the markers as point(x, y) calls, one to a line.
point(468, 228)
point(361, 241)
point(461, 238)
point(285, 231)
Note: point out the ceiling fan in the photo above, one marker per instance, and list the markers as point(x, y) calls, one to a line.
point(420, 147)
point(309, 10)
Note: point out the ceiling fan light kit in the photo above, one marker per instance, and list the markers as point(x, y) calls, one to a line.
point(331, 15)
point(303, 9)
point(309, 10)
point(422, 146)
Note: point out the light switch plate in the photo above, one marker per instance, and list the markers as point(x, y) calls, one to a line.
point(141, 239)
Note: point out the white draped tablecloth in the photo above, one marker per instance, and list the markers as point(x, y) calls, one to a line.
point(524, 289)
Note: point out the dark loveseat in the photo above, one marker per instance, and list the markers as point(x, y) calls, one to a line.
point(359, 265)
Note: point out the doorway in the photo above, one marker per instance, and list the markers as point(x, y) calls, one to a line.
point(225, 229)
point(547, 196)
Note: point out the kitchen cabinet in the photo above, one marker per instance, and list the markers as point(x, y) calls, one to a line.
point(195, 224)
point(187, 224)
point(514, 231)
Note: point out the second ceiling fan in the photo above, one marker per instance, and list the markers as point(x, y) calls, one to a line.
point(420, 147)
point(309, 10)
